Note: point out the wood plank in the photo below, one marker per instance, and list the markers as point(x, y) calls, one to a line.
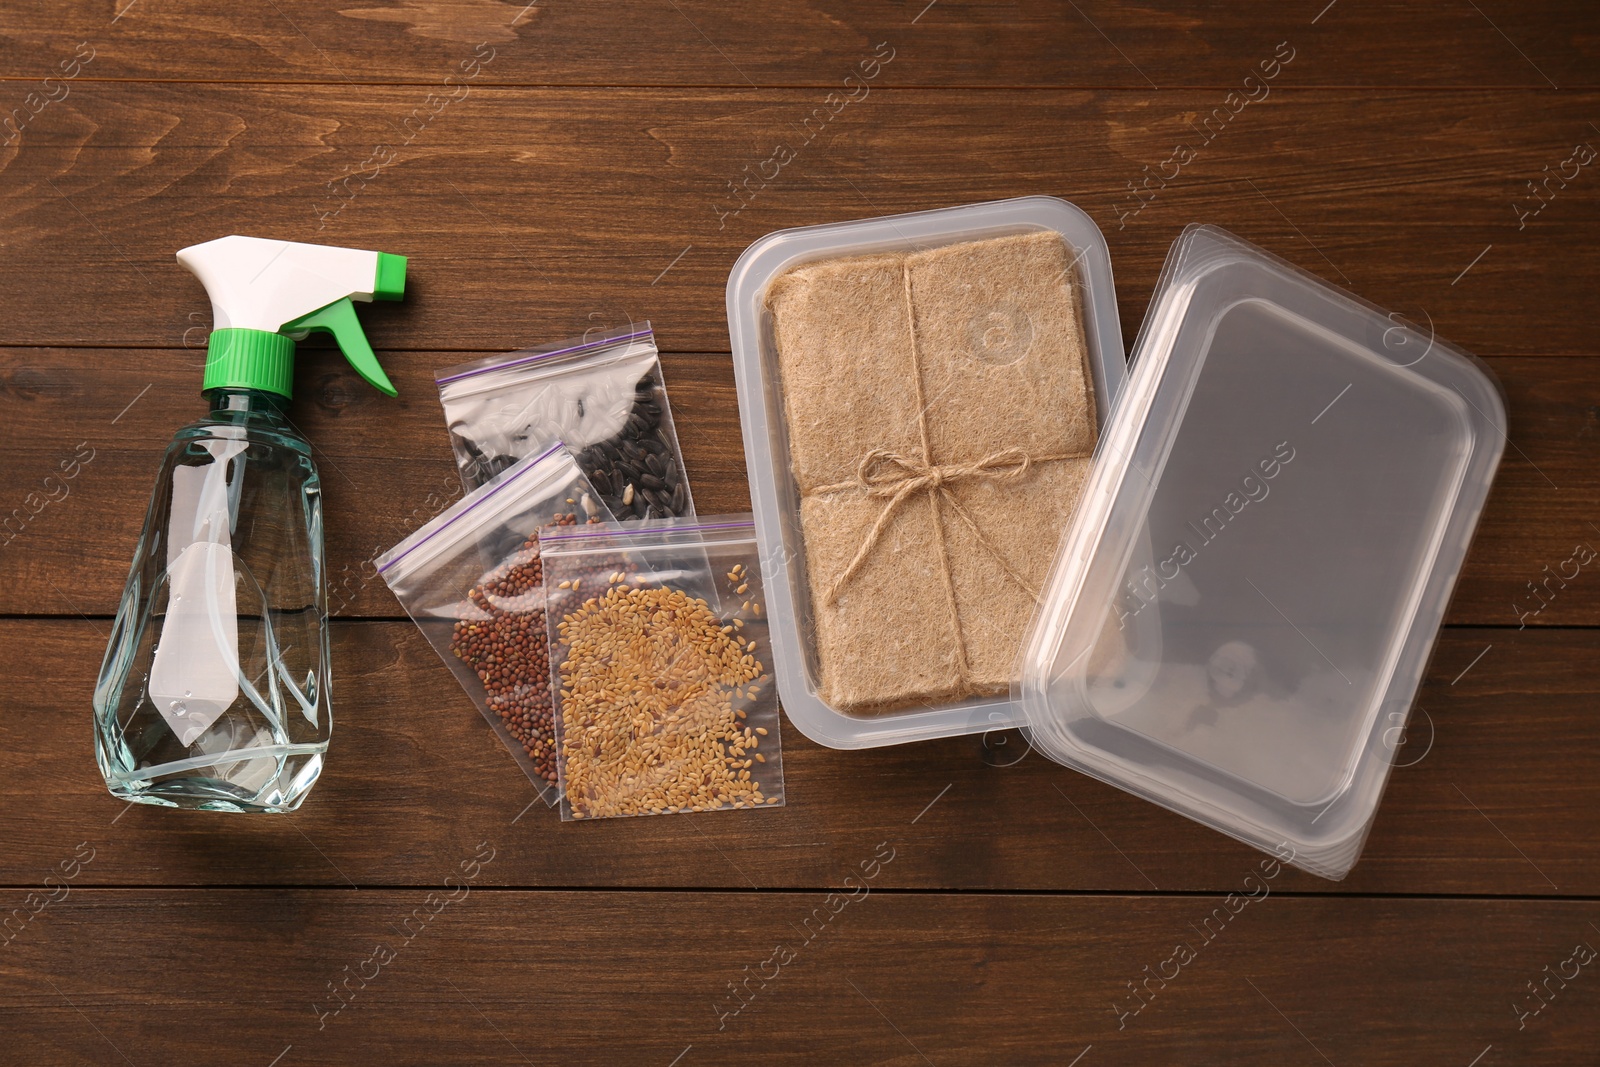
point(624, 978)
point(1497, 790)
point(1546, 500)
point(528, 212)
point(584, 177)
point(816, 43)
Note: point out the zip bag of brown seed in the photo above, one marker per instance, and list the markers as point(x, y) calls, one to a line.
point(660, 669)
point(471, 580)
point(604, 397)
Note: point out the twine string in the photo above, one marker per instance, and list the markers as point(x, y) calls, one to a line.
point(893, 478)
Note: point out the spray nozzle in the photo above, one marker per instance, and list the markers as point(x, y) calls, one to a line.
point(265, 295)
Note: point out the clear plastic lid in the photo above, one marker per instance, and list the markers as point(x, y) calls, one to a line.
point(1243, 609)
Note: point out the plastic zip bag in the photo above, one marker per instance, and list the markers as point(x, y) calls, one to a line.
point(660, 669)
point(472, 581)
point(604, 397)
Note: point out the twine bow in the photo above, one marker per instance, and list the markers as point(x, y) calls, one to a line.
point(892, 477)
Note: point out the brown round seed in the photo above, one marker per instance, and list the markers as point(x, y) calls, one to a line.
point(504, 644)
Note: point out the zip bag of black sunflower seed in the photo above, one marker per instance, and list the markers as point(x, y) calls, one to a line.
point(604, 396)
point(660, 668)
point(472, 581)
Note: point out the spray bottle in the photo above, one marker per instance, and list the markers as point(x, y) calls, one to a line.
point(214, 693)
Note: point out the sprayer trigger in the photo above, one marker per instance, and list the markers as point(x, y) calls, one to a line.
point(339, 319)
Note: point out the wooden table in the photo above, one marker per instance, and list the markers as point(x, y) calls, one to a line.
point(565, 165)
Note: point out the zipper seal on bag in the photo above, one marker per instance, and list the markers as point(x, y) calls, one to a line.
point(405, 549)
point(517, 359)
point(638, 528)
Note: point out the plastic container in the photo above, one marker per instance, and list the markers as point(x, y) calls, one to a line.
point(1306, 472)
point(215, 691)
point(772, 487)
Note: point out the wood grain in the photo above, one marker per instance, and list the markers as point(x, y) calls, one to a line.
point(815, 42)
point(1493, 793)
point(530, 213)
point(585, 176)
point(638, 979)
point(72, 556)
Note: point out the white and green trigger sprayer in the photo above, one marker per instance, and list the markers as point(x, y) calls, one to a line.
point(214, 692)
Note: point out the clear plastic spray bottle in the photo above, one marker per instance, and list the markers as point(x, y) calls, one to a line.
point(214, 693)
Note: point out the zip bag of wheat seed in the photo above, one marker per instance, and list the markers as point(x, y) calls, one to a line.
point(660, 668)
point(472, 581)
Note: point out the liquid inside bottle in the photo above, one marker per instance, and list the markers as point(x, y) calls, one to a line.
point(214, 691)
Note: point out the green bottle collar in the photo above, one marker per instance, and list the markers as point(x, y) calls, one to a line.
point(249, 359)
